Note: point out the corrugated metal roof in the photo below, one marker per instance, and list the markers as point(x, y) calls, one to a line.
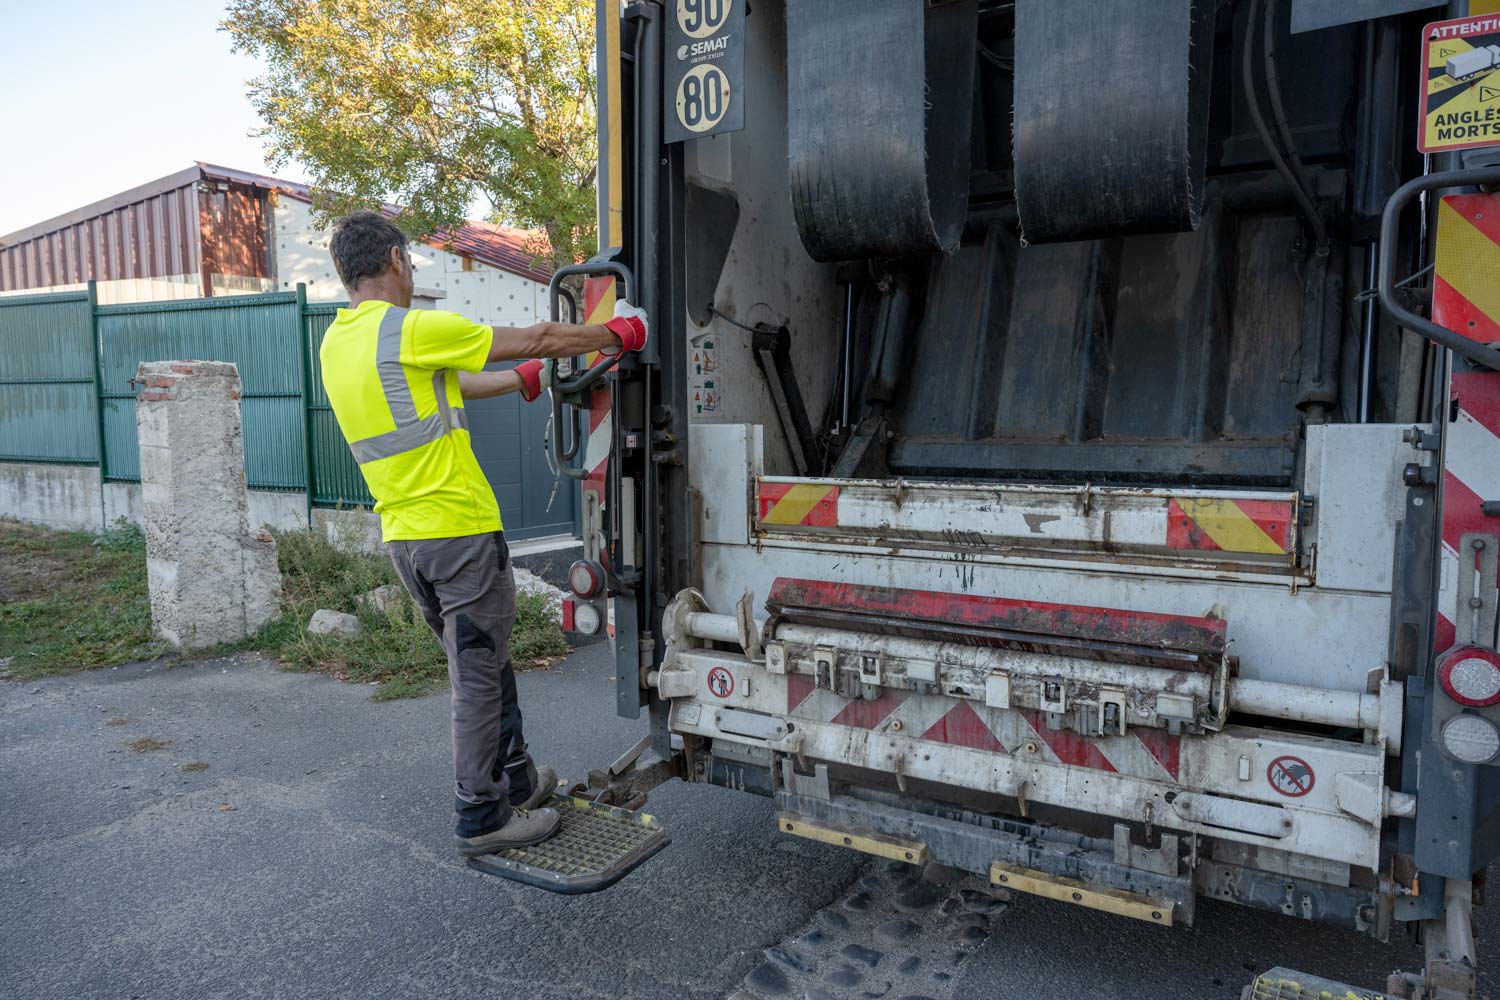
point(176, 227)
point(160, 228)
point(498, 246)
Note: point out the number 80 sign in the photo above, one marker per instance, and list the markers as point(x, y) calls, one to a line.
point(702, 97)
point(705, 69)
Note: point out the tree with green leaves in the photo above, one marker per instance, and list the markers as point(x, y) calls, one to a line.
point(428, 103)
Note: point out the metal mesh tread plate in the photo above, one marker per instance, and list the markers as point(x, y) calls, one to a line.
point(1288, 984)
point(596, 846)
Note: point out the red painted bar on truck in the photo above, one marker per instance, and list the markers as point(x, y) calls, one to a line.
point(1205, 635)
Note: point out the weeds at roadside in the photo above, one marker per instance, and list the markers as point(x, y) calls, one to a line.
point(70, 600)
point(396, 650)
point(146, 744)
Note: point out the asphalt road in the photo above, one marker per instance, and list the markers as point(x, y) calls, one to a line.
point(312, 858)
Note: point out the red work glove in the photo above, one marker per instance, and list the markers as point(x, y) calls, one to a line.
point(535, 376)
point(629, 324)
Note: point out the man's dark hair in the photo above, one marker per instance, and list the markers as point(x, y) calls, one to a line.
point(361, 246)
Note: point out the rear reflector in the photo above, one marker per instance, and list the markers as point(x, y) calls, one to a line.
point(1471, 739)
point(587, 619)
point(567, 614)
point(1470, 675)
point(585, 578)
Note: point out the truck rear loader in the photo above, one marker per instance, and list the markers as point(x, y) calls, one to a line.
point(1068, 450)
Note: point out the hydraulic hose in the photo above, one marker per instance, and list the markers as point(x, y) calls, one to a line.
point(1257, 117)
point(1278, 109)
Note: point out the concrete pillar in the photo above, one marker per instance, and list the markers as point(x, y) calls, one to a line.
point(211, 578)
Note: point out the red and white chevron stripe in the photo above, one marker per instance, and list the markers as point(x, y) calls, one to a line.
point(1464, 302)
point(1471, 474)
point(1152, 754)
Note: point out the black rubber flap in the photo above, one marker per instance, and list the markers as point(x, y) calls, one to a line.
point(879, 112)
point(596, 846)
point(1111, 115)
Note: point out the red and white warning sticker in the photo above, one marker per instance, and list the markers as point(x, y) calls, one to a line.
point(720, 682)
point(1291, 776)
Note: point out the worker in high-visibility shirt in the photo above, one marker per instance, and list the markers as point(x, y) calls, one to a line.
point(397, 378)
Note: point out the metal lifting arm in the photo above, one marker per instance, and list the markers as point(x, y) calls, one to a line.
point(576, 385)
point(1481, 354)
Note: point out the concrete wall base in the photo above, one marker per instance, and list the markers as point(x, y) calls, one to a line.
point(69, 498)
point(65, 497)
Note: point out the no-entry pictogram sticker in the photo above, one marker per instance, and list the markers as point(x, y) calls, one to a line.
point(1291, 776)
point(720, 682)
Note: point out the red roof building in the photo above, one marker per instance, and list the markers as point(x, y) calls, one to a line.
point(211, 230)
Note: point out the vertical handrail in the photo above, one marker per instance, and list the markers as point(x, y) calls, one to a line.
point(97, 352)
point(304, 361)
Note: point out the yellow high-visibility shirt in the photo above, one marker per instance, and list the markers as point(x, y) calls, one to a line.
point(391, 375)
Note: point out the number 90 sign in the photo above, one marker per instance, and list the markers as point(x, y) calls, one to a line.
point(699, 18)
point(702, 97)
point(703, 74)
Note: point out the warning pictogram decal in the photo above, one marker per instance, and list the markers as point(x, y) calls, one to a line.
point(1291, 776)
point(1460, 84)
point(720, 682)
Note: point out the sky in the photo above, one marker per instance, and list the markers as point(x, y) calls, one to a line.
point(104, 95)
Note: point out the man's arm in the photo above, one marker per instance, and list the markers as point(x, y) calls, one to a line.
point(551, 340)
point(626, 331)
point(528, 378)
point(485, 385)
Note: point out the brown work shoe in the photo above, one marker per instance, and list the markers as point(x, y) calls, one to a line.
point(522, 830)
point(543, 785)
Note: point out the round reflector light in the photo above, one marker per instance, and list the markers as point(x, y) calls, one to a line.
point(586, 619)
point(1471, 739)
point(585, 578)
point(1471, 676)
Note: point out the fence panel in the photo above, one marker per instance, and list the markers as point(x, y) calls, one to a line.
point(47, 407)
point(259, 333)
point(66, 366)
point(336, 477)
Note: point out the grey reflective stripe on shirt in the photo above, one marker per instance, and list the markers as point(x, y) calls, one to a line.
point(410, 432)
point(440, 393)
point(402, 439)
point(392, 376)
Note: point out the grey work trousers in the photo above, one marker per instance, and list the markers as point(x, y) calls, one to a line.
point(467, 592)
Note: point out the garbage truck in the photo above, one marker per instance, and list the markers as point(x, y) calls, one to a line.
point(1068, 450)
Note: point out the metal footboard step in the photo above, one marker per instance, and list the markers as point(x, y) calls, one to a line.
point(1286, 984)
point(596, 846)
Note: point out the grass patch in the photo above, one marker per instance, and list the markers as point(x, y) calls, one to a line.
point(146, 744)
point(70, 600)
point(396, 651)
point(193, 766)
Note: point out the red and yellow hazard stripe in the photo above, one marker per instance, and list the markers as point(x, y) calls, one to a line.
point(1218, 524)
point(789, 504)
point(1466, 300)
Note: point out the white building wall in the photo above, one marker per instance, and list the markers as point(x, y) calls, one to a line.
point(485, 294)
point(172, 286)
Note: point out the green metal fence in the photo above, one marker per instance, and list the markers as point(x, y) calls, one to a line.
point(47, 379)
point(67, 395)
point(335, 475)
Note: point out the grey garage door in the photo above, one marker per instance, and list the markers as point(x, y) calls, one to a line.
point(508, 438)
